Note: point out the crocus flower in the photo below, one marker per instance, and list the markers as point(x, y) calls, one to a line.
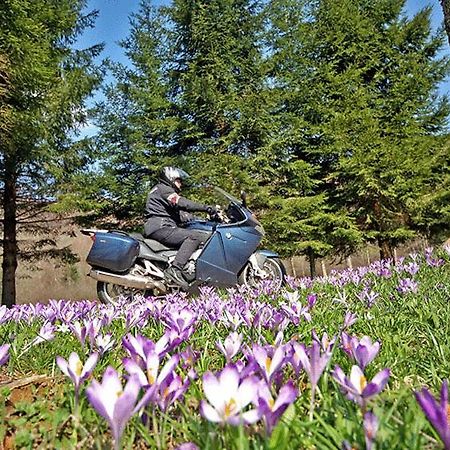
point(370, 424)
point(104, 342)
point(152, 373)
point(349, 320)
point(227, 397)
point(364, 351)
point(139, 347)
point(294, 355)
point(4, 314)
point(314, 364)
point(46, 333)
point(114, 403)
point(268, 364)
point(75, 370)
point(79, 331)
point(346, 343)
point(170, 390)
point(368, 296)
point(4, 354)
point(312, 299)
point(436, 413)
point(271, 409)
point(326, 344)
point(231, 345)
point(181, 321)
point(357, 388)
point(313, 361)
point(407, 285)
point(187, 446)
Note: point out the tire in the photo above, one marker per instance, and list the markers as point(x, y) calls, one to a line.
point(111, 293)
point(273, 268)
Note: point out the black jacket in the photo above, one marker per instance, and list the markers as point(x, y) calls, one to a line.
point(164, 205)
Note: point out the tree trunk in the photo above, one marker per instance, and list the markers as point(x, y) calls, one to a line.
point(312, 263)
point(9, 264)
point(385, 249)
point(446, 10)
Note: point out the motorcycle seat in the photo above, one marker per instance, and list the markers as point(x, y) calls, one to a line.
point(151, 243)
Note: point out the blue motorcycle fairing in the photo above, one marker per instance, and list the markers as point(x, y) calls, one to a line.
point(226, 253)
point(267, 253)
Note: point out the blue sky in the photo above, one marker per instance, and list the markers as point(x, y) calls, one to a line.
point(112, 25)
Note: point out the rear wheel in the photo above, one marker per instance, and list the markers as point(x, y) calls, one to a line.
point(112, 293)
point(272, 269)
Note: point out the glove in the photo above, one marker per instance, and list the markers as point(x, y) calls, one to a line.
point(211, 210)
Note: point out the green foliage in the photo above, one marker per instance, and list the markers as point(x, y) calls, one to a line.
point(360, 86)
point(47, 84)
point(326, 112)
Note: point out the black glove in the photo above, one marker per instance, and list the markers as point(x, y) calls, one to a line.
point(211, 210)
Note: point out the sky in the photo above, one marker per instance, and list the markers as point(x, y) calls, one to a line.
point(112, 25)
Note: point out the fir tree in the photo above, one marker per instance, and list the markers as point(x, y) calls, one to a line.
point(363, 80)
point(48, 82)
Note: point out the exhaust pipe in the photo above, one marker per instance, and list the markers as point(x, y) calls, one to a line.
point(130, 281)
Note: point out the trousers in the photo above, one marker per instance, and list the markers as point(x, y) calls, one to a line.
point(186, 240)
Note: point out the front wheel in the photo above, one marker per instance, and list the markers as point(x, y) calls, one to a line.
point(272, 269)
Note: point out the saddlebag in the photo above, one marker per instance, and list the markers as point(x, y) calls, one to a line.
point(114, 251)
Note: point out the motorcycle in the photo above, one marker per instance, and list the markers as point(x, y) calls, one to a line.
point(127, 264)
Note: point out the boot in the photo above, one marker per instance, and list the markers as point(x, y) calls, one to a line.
point(175, 275)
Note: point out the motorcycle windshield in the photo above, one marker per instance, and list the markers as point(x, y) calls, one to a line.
point(228, 196)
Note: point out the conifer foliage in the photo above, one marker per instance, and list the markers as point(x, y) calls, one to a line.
point(45, 87)
point(326, 111)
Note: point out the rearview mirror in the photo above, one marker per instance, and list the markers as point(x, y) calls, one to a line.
point(244, 199)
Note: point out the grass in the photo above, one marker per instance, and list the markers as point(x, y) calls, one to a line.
point(412, 327)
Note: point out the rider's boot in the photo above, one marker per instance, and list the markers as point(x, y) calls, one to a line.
point(175, 274)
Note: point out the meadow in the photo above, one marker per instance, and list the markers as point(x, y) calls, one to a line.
point(355, 360)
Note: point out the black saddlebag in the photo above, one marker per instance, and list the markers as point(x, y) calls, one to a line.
point(113, 251)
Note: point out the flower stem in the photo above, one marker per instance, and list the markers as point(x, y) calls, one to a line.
point(311, 404)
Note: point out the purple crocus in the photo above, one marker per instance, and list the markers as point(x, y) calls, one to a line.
point(139, 347)
point(46, 333)
point(312, 299)
point(313, 361)
point(114, 403)
point(227, 396)
point(231, 345)
point(436, 413)
point(152, 373)
point(4, 354)
point(314, 364)
point(407, 285)
point(181, 321)
point(187, 446)
point(357, 388)
point(370, 425)
point(103, 343)
point(79, 331)
point(76, 371)
point(272, 409)
point(349, 319)
point(269, 362)
point(170, 390)
point(364, 351)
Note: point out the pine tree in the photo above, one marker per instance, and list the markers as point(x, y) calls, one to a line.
point(48, 82)
point(363, 80)
point(189, 97)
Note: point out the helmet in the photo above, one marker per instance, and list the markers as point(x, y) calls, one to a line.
point(169, 174)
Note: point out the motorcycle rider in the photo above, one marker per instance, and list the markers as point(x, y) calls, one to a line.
point(164, 222)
